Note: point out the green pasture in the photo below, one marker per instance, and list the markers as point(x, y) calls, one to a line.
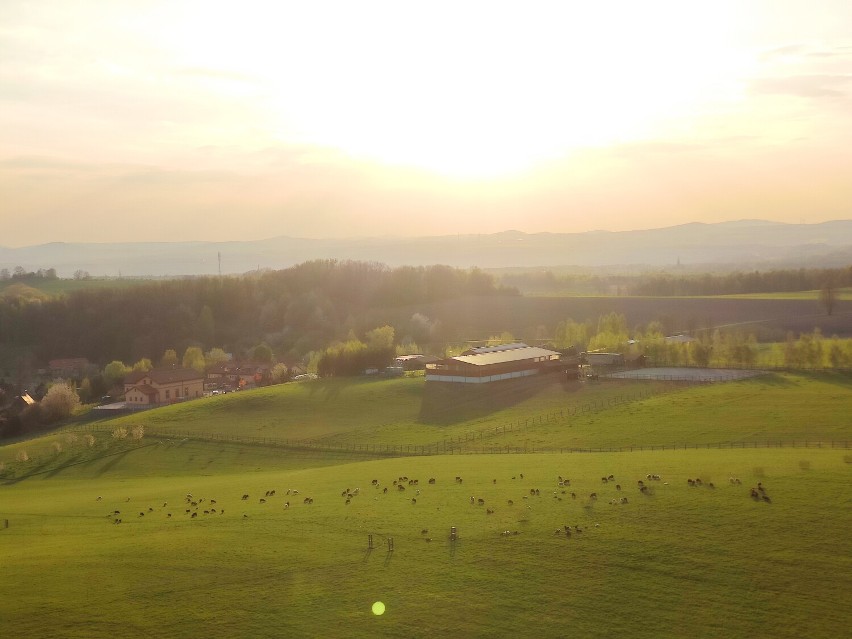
point(676, 561)
point(776, 407)
point(56, 287)
point(841, 293)
point(680, 561)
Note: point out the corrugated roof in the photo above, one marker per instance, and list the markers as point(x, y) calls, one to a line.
point(517, 354)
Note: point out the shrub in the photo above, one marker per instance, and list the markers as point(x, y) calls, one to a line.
point(137, 432)
point(120, 433)
point(22, 456)
point(57, 447)
point(59, 402)
point(90, 440)
point(71, 438)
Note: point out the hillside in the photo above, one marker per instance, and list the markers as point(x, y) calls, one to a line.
point(139, 537)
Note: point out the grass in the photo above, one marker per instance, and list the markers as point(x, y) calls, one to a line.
point(682, 561)
point(784, 407)
point(702, 562)
point(59, 286)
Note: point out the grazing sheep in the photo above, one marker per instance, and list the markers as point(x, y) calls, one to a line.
point(489, 511)
point(593, 496)
point(246, 497)
point(347, 501)
point(141, 514)
point(521, 475)
point(286, 505)
point(611, 477)
point(150, 510)
point(117, 521)
point(604, 479)
point(431, 480)
point(480, 501)
point(573, 495)
point(116, 512)
point(262, 500)
point(99, 498)
point(206, 512)
point(472, 499)
point(385, 491)
point(188, 511)
point(400, 487)
point(618, 486)
point(424, 532)
point(511, 503)
point(413, 500)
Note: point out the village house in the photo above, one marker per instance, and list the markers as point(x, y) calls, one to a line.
point(162, 386)
point(68, 367)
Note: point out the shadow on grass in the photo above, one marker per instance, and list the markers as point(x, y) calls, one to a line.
point(447, 403)
point(50, 472)
point(774, 379)
point(330, 388)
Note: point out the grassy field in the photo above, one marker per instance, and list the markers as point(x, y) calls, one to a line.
point(55, 287)
point(783, 407)
point(676, 561)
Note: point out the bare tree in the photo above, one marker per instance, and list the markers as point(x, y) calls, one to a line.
point(828, 297)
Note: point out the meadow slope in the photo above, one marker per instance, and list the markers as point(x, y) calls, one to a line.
point(671, 561)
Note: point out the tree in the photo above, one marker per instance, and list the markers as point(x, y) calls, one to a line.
point(143, 365)
point(60, 402)
point(193, 358)
point(262, 354)
point(115, 372)
point(4, 274)
point(205, 326)
point(280, 373)
point(80, 274)
point(215, 356)
point(381, 337)
point(828, 297)
point(169, 358)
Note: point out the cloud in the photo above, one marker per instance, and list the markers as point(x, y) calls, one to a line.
point(803, 86)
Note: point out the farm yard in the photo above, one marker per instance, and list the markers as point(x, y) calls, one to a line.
point(168, 536)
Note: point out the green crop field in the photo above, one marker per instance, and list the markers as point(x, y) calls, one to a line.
point(675, 560)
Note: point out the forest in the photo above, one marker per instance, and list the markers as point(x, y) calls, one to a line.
point(294, 311)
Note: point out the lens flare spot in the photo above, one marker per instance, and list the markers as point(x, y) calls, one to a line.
point(378, 608)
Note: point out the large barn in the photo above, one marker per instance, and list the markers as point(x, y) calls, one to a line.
point(493, 363)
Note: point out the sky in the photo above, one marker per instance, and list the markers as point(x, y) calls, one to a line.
point(176, 120)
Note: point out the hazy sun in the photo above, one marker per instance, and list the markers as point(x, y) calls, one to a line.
point(474, 88)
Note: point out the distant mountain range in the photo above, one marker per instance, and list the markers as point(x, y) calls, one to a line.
point(741, 244)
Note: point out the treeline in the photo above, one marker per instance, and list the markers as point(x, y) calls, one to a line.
point(295, 311)
point(669, 284)
point(19, 273)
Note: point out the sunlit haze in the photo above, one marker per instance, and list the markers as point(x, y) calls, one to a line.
point(190, 120)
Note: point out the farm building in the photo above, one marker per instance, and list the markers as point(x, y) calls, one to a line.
point(414, 362)
point(604, 359)
point(493, 363)
point(163, 386)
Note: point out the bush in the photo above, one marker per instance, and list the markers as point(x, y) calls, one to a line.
point(90, 440)
point(137, 432)
point(22, 456)
point(120, 433)
point(57, 447)
point(59, 403)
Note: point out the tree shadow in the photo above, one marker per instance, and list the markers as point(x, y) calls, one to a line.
point(446, 403)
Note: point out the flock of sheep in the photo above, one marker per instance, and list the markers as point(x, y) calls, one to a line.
point(194, 507)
